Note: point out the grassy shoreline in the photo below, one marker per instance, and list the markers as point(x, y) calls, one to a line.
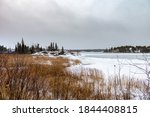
point(24, 77)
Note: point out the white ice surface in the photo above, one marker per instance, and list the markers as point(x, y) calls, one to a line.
point(130, 65)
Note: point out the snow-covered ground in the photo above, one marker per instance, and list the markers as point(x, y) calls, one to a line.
point(132, 65)
point(129, 64)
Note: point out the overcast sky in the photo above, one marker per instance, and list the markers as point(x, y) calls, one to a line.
point(75, 23)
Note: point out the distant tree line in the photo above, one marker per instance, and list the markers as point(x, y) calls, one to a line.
point(22, 48)
point(53, 47)
point(129, 49)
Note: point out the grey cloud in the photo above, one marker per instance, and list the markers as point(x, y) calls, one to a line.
point(50, 21)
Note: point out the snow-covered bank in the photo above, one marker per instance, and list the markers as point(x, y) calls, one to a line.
point(130, 65)
point(121, 75)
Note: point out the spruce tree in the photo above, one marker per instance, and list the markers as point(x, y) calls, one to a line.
point(62, 51)
point(56, 47)
point(22, 47)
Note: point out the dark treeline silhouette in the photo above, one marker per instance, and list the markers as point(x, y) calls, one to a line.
point(62, 51)
point(3, 49)
point(53, 47)
point(129, 49)
point(22, 48)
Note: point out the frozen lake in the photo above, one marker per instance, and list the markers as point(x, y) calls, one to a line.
point(132, 65)
point(117, 55)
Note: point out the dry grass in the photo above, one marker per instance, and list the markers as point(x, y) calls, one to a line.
point(26, 77)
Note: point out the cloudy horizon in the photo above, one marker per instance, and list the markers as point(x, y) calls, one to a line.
point(75, 24)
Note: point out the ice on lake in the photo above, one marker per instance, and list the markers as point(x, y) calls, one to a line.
point(132, 65)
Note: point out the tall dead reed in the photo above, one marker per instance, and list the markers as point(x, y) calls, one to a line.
point(26, 77)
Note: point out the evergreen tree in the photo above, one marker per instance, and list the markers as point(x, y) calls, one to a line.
point(22, 47)
point(51, 46)
point(3, 49)
point(32, 49)
point(56, 47)
point(62, 51)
